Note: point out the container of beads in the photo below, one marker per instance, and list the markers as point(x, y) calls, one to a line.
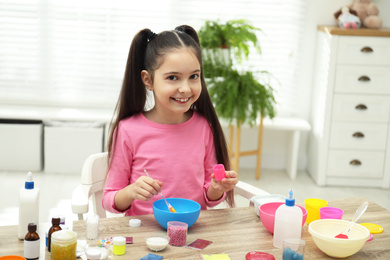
point(177, 233)
point(63, 245)
point(92, 226)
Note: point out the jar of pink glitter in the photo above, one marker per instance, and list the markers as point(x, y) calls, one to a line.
point(177, 233)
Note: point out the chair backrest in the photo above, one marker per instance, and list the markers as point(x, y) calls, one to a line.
point(93, 177)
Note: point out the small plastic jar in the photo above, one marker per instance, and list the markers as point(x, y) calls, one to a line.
point(177, 233)
point(118, 245)
point(134, 222)
point(63, 245)
point(93, 253)
point(104, 250)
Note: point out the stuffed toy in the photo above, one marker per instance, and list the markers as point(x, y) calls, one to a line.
point(347, 18)
point(367, 13)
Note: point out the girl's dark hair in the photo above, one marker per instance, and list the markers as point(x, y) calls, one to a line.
point(147, 52)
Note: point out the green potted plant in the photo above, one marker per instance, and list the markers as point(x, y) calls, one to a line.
point(235, 35)
point(238, 96)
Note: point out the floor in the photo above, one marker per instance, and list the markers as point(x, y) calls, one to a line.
point(56, 192)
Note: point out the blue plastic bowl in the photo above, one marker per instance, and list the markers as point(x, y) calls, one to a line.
point(187, 211)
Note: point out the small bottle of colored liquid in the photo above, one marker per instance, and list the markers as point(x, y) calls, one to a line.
point(31, 242)
point(55, 227)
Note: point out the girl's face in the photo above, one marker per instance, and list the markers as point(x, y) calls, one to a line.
point(176, 86)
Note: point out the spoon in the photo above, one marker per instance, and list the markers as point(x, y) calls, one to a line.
point(171, 209)
point(359, 212)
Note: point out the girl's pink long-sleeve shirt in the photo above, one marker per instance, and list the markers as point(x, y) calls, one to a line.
point(182, 156)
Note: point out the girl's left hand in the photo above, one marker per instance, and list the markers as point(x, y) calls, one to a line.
point(227, 183)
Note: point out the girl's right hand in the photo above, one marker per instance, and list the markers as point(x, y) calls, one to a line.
point(144, 188)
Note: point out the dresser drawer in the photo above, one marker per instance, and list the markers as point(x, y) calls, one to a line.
point(362, 79)
point(349, 163)
point(358, 136)
point(361, 108)
point(357, 50)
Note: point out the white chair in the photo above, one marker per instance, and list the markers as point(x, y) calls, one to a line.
point(93, 177)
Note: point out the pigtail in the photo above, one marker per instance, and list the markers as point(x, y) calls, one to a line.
point(132, 96)
point(133, 90)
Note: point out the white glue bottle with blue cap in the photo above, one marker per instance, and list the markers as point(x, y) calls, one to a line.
point(28, 206)
point(288, 221)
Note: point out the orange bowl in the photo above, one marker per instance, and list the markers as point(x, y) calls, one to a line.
point(12, 257)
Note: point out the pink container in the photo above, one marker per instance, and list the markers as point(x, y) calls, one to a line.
point(219, 172)
point(177, 233)
point(267, 214)
point(331, 212)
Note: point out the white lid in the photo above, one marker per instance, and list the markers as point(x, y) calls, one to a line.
point(135, 222)
point(119, 241)
point(93, 253)
point(64, 237)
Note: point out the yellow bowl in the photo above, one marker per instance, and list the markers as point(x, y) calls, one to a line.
point(323, 232)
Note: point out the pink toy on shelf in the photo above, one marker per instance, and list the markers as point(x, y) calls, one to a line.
point(219, 172)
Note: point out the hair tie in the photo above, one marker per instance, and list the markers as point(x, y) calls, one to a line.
point(150, 36)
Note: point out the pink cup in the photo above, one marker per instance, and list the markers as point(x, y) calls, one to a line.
point(331, 212)
point(219, 172)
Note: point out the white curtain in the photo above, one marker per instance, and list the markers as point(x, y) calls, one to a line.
point(73, 52)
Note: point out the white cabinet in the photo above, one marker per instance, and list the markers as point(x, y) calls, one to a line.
point(68, 144)
point(350, 144)
point(21, 145)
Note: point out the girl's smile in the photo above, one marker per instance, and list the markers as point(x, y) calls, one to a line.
point(181, 100)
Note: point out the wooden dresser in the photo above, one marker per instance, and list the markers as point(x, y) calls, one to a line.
point(349, 144)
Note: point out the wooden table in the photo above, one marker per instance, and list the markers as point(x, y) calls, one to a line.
point(234, 232)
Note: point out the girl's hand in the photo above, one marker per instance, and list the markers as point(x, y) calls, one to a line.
point(144, 188)
point(226, 184)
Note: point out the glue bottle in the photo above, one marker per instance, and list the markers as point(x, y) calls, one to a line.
point(288, 221)
point(28, 206)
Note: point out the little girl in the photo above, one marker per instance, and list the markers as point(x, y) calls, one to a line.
point(178, 141)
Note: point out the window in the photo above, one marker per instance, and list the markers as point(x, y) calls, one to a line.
point(74, 52)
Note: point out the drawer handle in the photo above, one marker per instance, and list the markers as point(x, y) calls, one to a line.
point(355, 162)
point(358, 135)
point(364, 78)
point(367, 49)
point(361, 107)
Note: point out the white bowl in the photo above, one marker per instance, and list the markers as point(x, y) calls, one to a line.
point(157, 242)
point(323, 232)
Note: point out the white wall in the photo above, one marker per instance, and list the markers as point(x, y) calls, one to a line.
point(319, 12)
